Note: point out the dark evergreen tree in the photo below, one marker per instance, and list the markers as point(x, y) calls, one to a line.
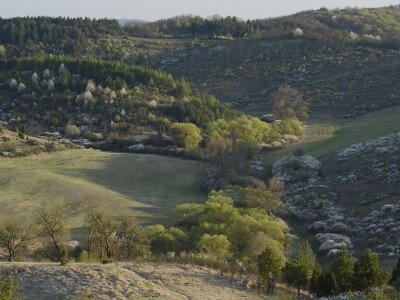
point(343, 269)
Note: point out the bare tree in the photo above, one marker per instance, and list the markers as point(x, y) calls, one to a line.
point(13, 236)
point(103, 234)
point(110, 236)
point(52, 225)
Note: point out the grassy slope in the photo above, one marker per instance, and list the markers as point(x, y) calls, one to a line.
point(150, 185)
point(326, 134)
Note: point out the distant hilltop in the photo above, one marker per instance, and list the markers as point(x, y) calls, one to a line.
point(124, 22)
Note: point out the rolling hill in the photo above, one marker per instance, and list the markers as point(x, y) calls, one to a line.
point(148, 185)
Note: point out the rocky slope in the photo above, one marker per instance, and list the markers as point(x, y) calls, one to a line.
point(123, 281)
point(350, 199)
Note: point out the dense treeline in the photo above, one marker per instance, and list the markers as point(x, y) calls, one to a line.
point(38, 35)
point(21, 30)
point(329, 26)
point(193, 26)
point(124, 93)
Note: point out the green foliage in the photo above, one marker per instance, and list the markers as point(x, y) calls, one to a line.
point(215, 245)
point(187, 135)
point(322, 283)
point(72, 131)
point(289, 103)
point(83, 257)
point(241, 128)
point(298, 271)
point(164, 240)
point(396, 273)
point(263, 198)
point(218, 216)
point(343, 269)
point(108, 97)
point(7, 289)
point(64, 260)
point(269, 268)
point(368, 273)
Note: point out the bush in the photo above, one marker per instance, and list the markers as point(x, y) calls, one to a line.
point(215, 245)
point(83, 257)
point(93, 137)
point(64, 260)
point(72, 131)
point(7, 289)
point(187, 135)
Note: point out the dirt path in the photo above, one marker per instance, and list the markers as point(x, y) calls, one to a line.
point(122, 281)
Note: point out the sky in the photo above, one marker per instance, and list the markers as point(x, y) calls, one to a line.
point(156, 9)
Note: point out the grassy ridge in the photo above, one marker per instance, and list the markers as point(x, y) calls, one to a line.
point(149, 185)
point(326, 134)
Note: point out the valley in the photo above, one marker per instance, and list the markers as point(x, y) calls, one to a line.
point(201, 158)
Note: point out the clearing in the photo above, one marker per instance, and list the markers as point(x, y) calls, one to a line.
point(150, 185)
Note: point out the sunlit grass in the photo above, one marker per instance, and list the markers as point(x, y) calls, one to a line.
point(325, 135)
point(148, 185)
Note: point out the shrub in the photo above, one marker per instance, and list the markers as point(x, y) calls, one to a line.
point(83, 256)
point(7, 289)
point(215, 245)
point(72, 131)
point(91, 136)
point(187, 135)
point(64, 260)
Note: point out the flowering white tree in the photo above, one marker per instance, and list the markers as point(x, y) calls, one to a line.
point(13, 83)
point(113, 95)
point(61, 69)
point(107, 91)
point(50, 85)
point(87, 96)
point(153, 103)
point(123, 91)
point(46, 74)
point(91, 86)
point(35, 78)
point(298, 32)
point(21, 87)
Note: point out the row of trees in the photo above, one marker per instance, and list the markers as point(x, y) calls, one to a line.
point(104, 236)
point(345, 275)
point(216, 228)
point(48, 30)
point(332, 27)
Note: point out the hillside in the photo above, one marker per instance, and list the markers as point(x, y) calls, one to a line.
point(326, 135)
point(344, 81)
point(124, 281)
point(148, 185)
point(13, 144)
point(348, 199)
